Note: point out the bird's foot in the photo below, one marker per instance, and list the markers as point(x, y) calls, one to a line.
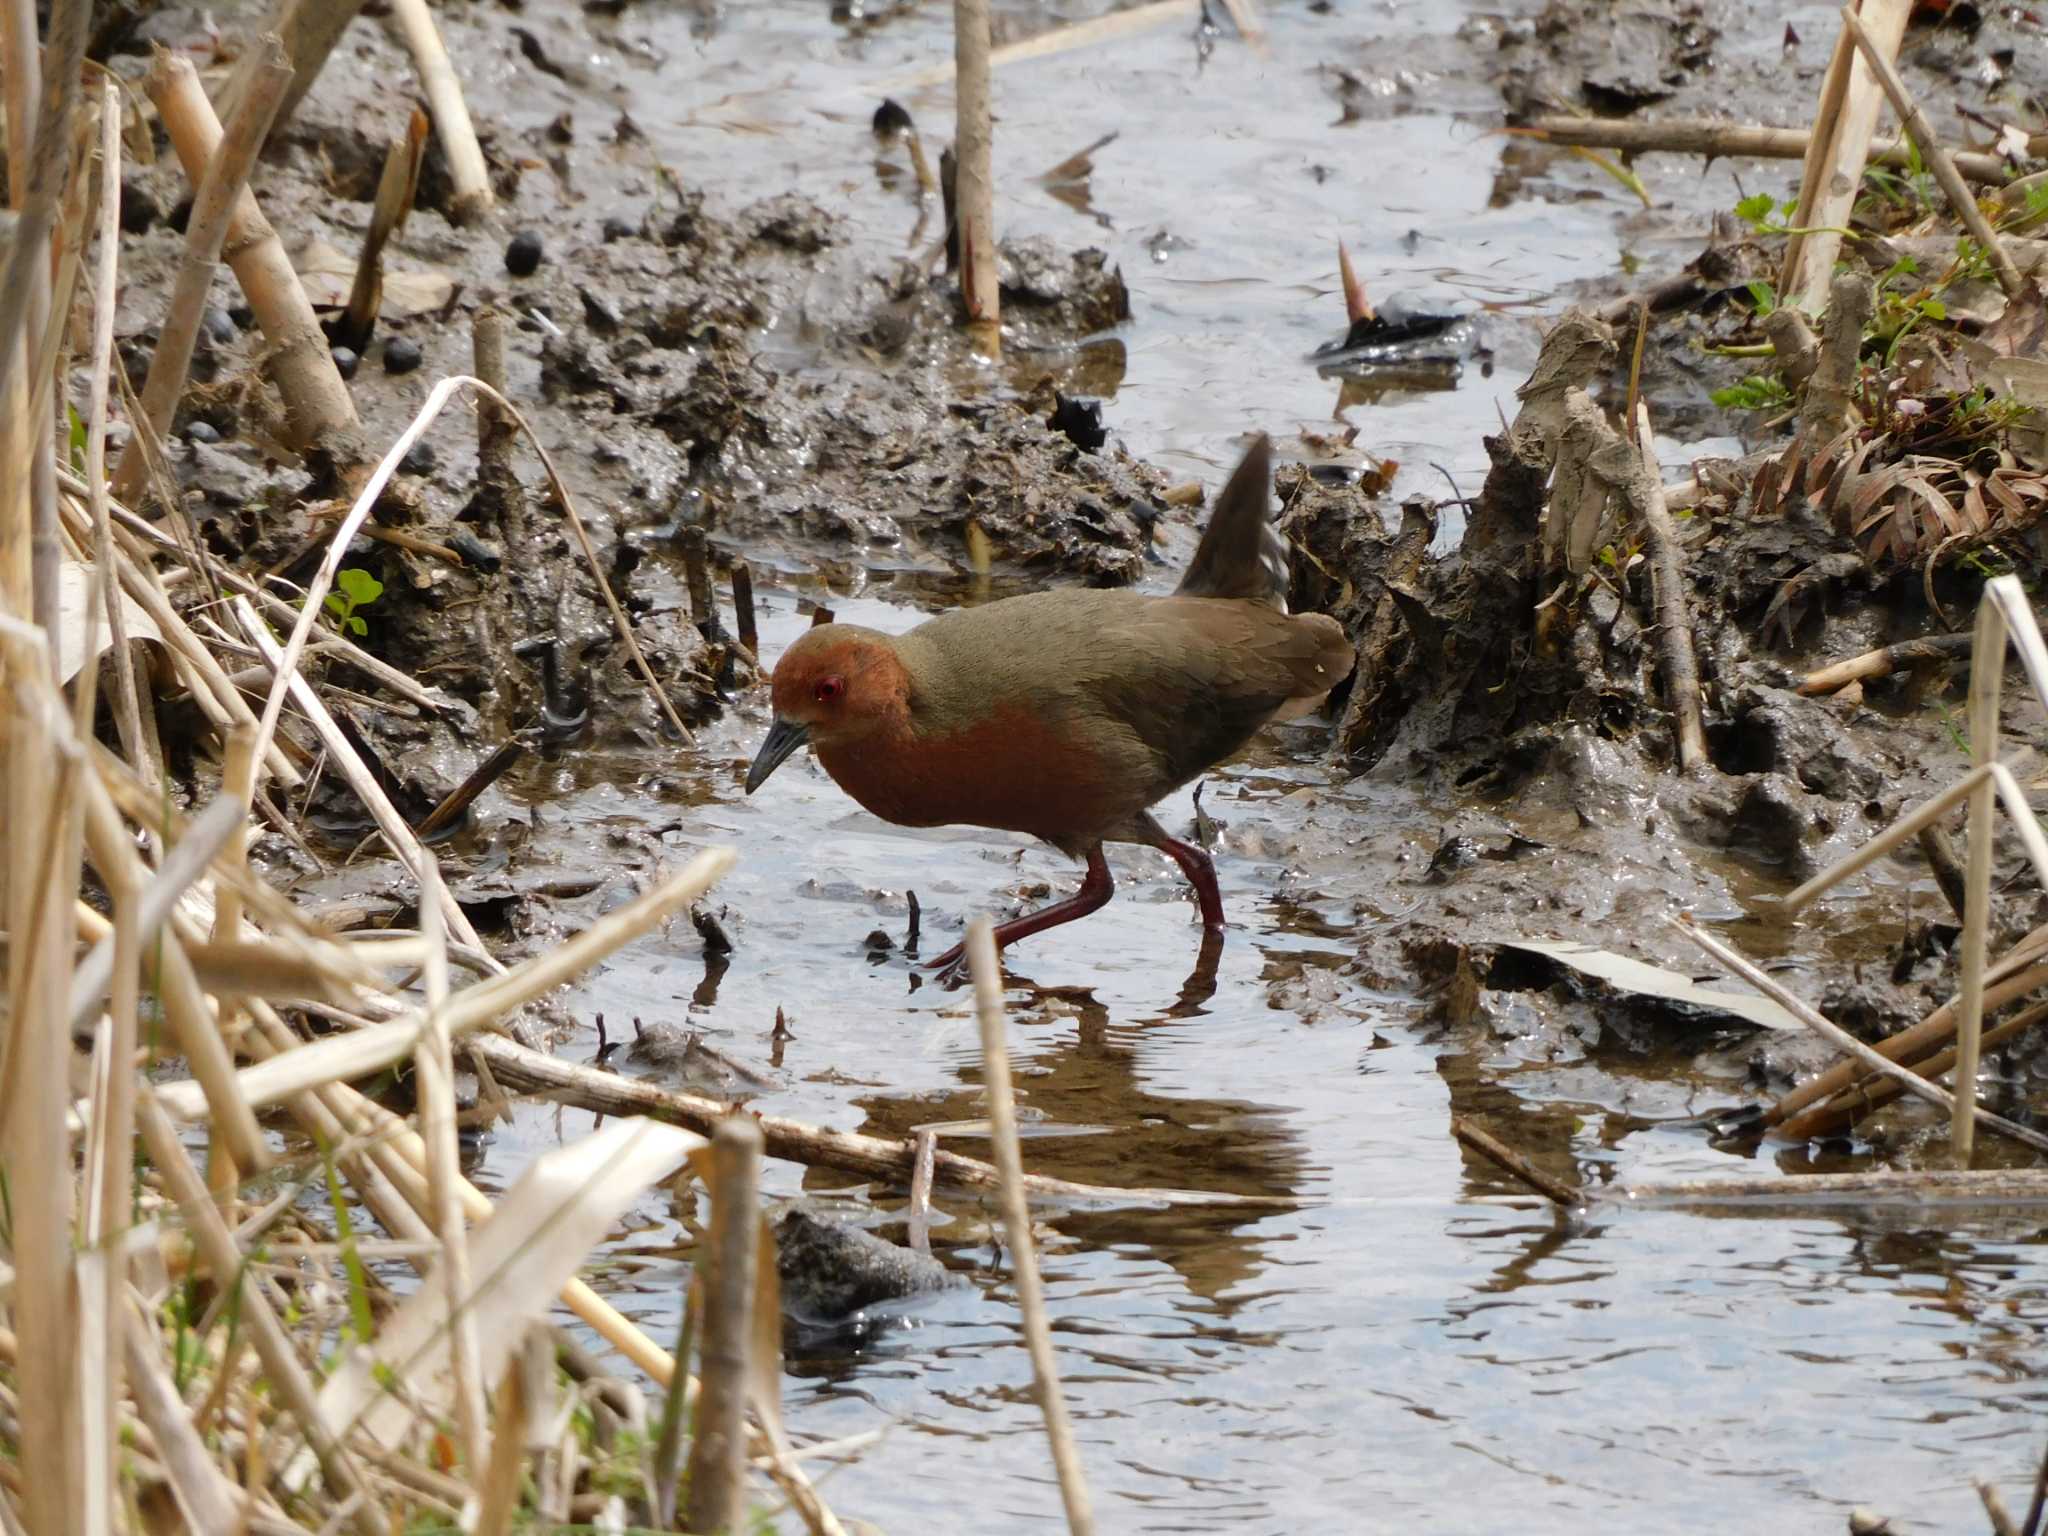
point(951, 967)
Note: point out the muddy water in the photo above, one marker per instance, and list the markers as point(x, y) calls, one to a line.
point(1390, 1352)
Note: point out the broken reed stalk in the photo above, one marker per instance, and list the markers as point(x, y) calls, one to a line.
point(1842, 1040)
point(497, 488)
point(1987, 673)
point(466, 168)
point(743, 610)
point(42, 871)
point(310, 29)
point(318, 408)
point(975, 176)
point(1833, 175)
point(1002, 1115)
point(1842, 1113)
point(1884, 661)
point(1675, 655)
point(718, 1462)
point(1932, 1186)
point(397, 185)
point(434, 1071)
point(879, 1157)
point(127, 700)
point(1498, 1152)
point(286, 1377)
point(1717, 140)
point(265, 72)
point(1936, 156)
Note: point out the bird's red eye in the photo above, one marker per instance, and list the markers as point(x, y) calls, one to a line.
point(828, 689)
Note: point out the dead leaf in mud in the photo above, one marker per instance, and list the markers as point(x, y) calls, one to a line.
point(1626, 975)
point(74, 597)
point(2021, 329)
point(329, 273)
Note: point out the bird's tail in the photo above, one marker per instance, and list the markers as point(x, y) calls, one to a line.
point(1241, 554)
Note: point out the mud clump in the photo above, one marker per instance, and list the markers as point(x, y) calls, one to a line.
point(831, 1273)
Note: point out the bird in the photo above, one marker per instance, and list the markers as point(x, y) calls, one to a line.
point(1067, 714)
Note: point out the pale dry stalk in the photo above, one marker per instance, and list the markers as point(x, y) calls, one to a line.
point(1675, 653)
point(318, 408)
point(1843, 127)
point(1733, 141)
point(1002, 1114)
point(718, 1461)
point(265, 72)
point(975, 175)
point(466, 168)
point(1934, 153)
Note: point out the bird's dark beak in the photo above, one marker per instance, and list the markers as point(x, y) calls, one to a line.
point(784, 737)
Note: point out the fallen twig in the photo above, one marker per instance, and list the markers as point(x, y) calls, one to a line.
point(1884, 661)
point(1716, 139)
point(1675, 655)
point(1498, 1152)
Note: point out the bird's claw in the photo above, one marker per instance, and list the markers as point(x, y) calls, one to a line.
point(951, 967)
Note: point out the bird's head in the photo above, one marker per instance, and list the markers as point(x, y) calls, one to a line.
point(836, 684)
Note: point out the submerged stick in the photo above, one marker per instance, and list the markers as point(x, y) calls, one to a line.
point(1002, 1114)
point(974, 177)
point(1498, 1152)
point(605, 1093)
point(718, 1461)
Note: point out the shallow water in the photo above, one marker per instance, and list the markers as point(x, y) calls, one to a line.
point(1388, 1352)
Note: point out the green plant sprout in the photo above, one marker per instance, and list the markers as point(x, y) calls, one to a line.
point(354, 588)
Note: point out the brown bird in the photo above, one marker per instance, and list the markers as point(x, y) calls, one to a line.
point(1069, 714)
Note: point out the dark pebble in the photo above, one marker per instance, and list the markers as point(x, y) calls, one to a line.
point(201, 432)
point(243, 316)
point(219, 326)
point(890, 117)
point(522, 256)
point(619, 227)
point(345, 362)
point(401, 355)
point(475, 552)
point(1081, 420)
point(181, 215)
point(421, 460)
point(139, 207)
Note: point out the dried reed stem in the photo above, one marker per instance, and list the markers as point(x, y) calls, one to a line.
point(434, 1067)
point(1675, 656)
point(1002, 1114)
point(265, 72)
point(223, 1256)
point(607, 1093)
point(1499, 1153)
point(1720, 140)
point(1843, 127)
point(975, 176)
point(318, 408)
point(310, 29)
point(1960, 197)
point(466, 168)
point(1841, 1039)
point(1987, 672)
point(718, 1464)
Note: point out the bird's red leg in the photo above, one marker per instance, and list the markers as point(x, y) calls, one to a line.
point(1095, 890)
point(1195, 863)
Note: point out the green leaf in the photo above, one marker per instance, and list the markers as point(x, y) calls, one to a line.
point(1762, 297)
point(1934, 309)
point(337, 605)
point(356, 626)
point(1755, 209)
point(360, 586)
point(1758, 392)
